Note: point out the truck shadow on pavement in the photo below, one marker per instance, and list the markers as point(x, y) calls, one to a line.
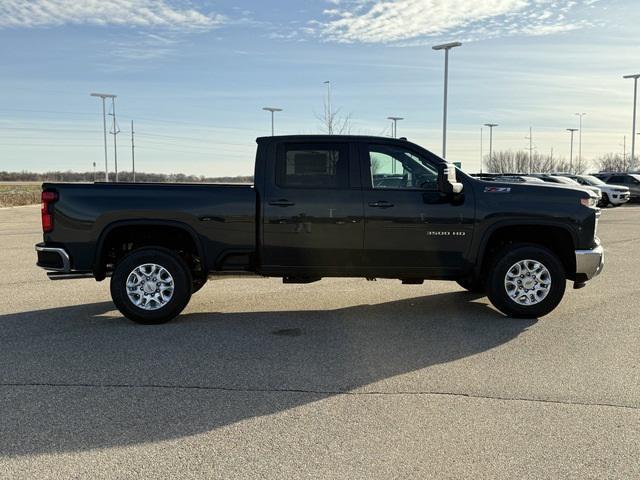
point(77, 378)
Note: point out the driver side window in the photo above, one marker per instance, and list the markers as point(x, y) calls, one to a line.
point(396, 168)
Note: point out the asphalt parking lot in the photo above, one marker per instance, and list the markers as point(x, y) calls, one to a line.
point(339, 379)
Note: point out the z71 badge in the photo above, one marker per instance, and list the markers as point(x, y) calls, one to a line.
point(497, 189)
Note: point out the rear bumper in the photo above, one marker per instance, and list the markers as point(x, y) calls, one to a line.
point(58, 262)
point(589, 263)
point(55, 259)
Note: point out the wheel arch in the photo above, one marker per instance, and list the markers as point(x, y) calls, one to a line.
point(140, 227)
point(557, 237)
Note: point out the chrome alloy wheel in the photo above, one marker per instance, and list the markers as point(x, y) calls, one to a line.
point(150, 286)
point(527, 282)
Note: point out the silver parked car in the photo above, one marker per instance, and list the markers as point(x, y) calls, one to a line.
point(629, 180)
point(563, 180)
point(614, 195)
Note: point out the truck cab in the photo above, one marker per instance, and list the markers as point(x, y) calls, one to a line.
point(359, 206)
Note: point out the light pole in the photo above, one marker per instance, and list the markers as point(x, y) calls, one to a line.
point(490, 125)
point(104, 96)
point(481, 149)
point(580, 138)
point(530, 138)
point(133, 154)
point(115, 132)
point(272, 110)
point(394, 125)
point(446, 47)
point(329, 119)
point(571, 130)
point(633, 128)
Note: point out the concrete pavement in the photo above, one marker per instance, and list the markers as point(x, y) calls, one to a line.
point(338, 379)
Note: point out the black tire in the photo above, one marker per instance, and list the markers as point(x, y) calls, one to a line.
point(166, 259)
point(503, 262)
point(473, 285)
point(604, 202)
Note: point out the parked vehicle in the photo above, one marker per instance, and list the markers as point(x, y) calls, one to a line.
point(325, 206)
point(611, 194)
point(629, 180)
point(528, 179)
point(508, 177)
point(564, 180)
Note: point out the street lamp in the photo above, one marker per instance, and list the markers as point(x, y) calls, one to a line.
point(446, 47)
point(490, 125)
point(394, 125)
point(572, 130)
point(580, 138)
point(633, 128)
point(104, 96)
point(272, 110)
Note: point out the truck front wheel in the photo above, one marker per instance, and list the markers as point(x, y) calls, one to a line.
point(151, 285)
point(526, 281)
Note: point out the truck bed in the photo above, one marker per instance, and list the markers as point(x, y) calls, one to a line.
point(222, 216)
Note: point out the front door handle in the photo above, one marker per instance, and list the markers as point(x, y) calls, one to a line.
point(282, 202)
point(381, 204)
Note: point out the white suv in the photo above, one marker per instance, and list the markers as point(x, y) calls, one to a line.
point(614, 195)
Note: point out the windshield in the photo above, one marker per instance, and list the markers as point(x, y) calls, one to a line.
point(591, 180)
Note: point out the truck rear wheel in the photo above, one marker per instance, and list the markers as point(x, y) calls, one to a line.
point(151, 285)
point(526, 281)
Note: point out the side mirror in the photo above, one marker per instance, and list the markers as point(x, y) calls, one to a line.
point(447, 181)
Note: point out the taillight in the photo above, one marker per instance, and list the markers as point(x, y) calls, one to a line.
point(48, 197)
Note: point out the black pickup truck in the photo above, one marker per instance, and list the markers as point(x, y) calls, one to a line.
point(324, 206)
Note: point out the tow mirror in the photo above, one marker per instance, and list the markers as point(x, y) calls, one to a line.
point(447, 181)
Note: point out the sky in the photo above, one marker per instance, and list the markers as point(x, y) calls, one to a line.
point(194, 76)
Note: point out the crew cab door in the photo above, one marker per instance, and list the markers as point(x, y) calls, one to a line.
point(410, 227)
point(312, 209)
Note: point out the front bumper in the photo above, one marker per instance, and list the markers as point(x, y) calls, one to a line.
point(589, 263)
point(619, 198)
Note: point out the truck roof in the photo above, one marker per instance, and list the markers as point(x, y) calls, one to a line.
point(323, 137)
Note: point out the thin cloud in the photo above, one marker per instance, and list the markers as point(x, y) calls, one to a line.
point(134, 13)
point(394, 21)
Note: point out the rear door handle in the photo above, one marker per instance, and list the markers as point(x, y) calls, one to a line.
point(381, 204)
point(281, 203)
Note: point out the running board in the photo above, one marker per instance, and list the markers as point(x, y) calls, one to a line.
point(68, 276)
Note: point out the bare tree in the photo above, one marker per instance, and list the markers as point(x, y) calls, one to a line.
point(520, 162)
point(332, 122)
point(612, 162)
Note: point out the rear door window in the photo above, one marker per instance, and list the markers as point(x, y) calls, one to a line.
point(313, 166)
